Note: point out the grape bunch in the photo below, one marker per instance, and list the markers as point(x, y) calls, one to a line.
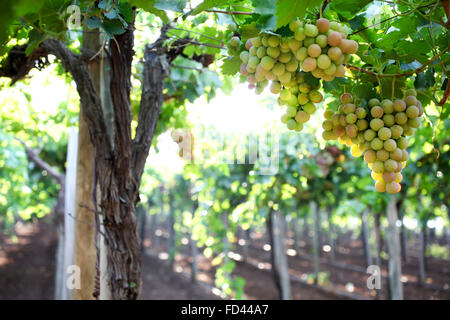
point(319, 49)
point(323, 47)
point(300, 100)
point(379, 132)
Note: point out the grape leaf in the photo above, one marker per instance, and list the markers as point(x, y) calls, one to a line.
point(171, 5)
point(264, 7)
point(231, 66)
point(392, 89)
point(249, 31)
point(364, 91)
point(424, 80)
point(93, 22)
point(347, 9)
point(288, 10)
point(149, 6)
point(205, 5)
point(126, 11)
point(113, 27)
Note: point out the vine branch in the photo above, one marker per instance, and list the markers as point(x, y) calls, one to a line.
point(390, 18)
point(398, 75)
point(231, 12)
point(446, 95)
point(40, 163)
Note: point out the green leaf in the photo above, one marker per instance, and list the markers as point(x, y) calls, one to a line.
point(35, 38)
point(231, 66)
point(205, 5)
point(392, 89)
point(171, 5)
point(113, 27)
point(93, 22)
point(288, 10)
point(248, 31)
point(126, 11)
point(425, 80)
point(364, 91)
point(264, 7)
point(347, 9)
point(149, 6)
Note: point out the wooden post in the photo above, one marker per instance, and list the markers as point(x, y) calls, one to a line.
point(422, 248)
point(393, 242)
point(403, 236)
point(280, 257)
point(194, 249)
point(295, 227)
point(315, 249)
point(377, 241)
point(85, 252)
point(69, 215)
point(332, 255)
point(365, 236)
point(447, 238)
point(171, 228)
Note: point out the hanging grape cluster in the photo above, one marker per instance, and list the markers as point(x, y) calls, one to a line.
point(300, 101)
point(323, 48)
point(319, 49)
point(379, 132)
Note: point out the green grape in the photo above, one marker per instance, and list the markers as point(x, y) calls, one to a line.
point(291, 124)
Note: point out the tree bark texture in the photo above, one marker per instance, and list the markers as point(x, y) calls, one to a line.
point(119, 160)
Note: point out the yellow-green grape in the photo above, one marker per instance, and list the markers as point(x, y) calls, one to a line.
point(314, 50)
point(384, 133)
point(273, 52)
point(291, 124)
point(382, 155)
point(309, 64)
point(275, 87)
point(323, 25)
point(399, 105)
point(376, 124)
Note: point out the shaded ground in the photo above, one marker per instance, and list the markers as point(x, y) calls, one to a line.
point(260, 285)
point(162, 285)
point(27, 269)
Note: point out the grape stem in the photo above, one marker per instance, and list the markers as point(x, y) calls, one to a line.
point(324, 6)
point(390, 18)
point(231, 12)
point(446, 94)
point(398, 75)
point(446, 6)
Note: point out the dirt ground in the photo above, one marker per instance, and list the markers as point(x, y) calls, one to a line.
point(27, 267)
point(27, 271)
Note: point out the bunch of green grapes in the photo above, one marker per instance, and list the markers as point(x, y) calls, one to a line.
point(319, 48)
point(323, 47)
point(347, 124)
point(268, 58)
point(382, 137)
point(300, 99)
